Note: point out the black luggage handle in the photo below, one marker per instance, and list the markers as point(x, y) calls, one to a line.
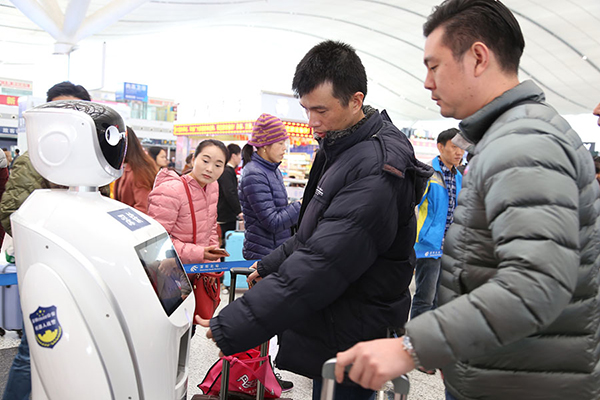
point(401, 384)
point(260, 389)
point(235, 271)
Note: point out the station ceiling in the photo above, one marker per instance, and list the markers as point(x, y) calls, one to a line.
point(562, 52)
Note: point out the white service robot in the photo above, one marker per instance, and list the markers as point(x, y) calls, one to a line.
point(106, 303)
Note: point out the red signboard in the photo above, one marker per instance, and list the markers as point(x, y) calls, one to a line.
point(298, 129)
point(9, 100)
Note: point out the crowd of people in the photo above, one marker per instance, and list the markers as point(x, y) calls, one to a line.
point(505, 251)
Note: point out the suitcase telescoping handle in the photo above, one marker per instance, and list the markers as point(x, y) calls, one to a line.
point(260, 389)
point(401, 384)
point(235, 271)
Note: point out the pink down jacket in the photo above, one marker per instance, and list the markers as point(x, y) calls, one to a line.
point(169, 205)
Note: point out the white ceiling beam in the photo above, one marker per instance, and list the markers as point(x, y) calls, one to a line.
point(53, 10)
point(107, 16)
point(40, 16)
point(74, 17)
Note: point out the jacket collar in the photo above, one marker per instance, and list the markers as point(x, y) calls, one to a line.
point(165, 175)
point(368, 128)
point(474, 127)
point(267, 164)
point(436, 163)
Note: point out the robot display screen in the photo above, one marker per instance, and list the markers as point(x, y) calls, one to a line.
point(165, 271)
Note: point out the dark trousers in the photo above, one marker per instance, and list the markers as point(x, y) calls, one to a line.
point(18, 386)
point(427, 281)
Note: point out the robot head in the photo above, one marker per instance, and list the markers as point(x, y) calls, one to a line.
point(76, 143)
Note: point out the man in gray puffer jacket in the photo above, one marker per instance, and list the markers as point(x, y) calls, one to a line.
point(519, 315)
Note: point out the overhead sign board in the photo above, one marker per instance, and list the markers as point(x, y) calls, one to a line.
point(236, 128)
point(133, 92)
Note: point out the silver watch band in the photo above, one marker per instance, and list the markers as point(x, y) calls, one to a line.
point(408, 347)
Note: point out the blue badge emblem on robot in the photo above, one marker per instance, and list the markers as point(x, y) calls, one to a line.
point(46, 327)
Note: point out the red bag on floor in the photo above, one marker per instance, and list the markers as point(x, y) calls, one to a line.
point(244, 374)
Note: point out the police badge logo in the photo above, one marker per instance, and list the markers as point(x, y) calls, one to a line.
point(46, 327)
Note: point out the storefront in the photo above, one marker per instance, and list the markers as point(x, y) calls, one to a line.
point(295, 166)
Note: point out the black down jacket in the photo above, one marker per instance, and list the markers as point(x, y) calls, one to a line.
point(344, 277)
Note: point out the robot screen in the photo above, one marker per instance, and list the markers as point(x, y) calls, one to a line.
point(165, 271)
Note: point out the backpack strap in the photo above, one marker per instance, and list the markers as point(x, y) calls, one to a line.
point(189, 196)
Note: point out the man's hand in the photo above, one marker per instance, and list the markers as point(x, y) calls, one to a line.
point(374, 363)
point(254, 277)
point(206, 324)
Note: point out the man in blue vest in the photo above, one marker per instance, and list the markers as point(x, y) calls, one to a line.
point(436, 212)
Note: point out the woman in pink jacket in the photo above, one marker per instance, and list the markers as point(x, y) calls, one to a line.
point(168, 204)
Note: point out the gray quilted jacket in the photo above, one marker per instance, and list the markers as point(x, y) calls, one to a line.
point(519, 293)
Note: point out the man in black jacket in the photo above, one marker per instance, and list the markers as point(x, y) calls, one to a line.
point(344, 276)
point(228, 208)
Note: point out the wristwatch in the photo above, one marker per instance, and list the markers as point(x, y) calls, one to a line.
point(408, 347)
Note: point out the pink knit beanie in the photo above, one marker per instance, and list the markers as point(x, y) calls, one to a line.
point(267, 130)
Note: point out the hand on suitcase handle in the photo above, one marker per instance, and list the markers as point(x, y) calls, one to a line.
point(254, 277)
point(401, 383)
point(374, 362)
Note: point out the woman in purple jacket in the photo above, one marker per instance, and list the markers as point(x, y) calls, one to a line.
point(267, 215)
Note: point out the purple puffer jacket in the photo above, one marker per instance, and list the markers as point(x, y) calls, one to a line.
point(267, 214)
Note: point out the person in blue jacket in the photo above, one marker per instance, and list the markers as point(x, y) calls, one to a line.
point(435, 214)
point(268, 217)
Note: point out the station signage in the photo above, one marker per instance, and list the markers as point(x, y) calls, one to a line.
point(133, 92)
point(243, 128)
point(15, 87)
point(219, 128)
point(8, 130)
point(9, 100)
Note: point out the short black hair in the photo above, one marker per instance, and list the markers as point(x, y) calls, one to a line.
point(334, 62)
point(232, 148)
point(489, 21)
point(66, 88)
point(446, 135)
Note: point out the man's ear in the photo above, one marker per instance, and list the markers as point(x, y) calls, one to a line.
point(481, 54)
point(356, 102)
